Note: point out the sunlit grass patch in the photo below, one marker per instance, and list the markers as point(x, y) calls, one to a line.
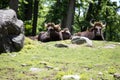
point(97, 62)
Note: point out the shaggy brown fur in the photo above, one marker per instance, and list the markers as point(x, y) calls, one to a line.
point(54, 33)
point(94, 33)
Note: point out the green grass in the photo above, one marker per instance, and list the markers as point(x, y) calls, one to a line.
point(87, 62)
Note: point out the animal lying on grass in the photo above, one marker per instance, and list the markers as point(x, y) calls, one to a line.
point(54, 33)
point(95, 32)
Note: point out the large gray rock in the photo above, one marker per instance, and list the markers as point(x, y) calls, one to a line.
point(11, 31)
point(81, 40)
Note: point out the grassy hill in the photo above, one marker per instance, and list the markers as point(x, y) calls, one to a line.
point(44, 61)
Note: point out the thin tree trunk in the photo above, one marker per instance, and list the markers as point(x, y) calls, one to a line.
point(63, 24)
point(99, 5)
point(13, 4)
point(36, 2)
point(64, 18)
point(70, 14)
point(28, 10)
point(93, 11)
point(77, 19)
point(89, 12)
point(110, 33)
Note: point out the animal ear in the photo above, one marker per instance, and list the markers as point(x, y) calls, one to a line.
point(58, 27)
point(53, 24)
point(45, 24)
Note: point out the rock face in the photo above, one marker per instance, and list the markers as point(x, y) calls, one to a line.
point(61, 45)
point(117, 76)
point(11, 31)
point(81, 40)
point(71, 77)
point(77, 40)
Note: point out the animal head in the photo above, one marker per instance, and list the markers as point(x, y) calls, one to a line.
point(52, 27)
point(66, 33)
point(53, 31)
point(58, 27)
point(66, 30)
point(97, 27)
point(49, 26)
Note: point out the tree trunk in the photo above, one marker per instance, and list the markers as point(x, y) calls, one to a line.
point(94, 10)
point(64, 15)
point(89, 12)
point(63, 23)
point(70, 14)
point(13, 4)
point(28, 10)
point(36, 2)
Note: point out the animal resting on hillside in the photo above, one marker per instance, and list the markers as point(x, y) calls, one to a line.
point(95, 32)
point(54, 33)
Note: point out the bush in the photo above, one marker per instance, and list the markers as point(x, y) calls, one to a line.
point(28, 27)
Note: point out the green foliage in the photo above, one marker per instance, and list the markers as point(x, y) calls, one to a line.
point(57, 12)
point(40, 26)
point(4, 4)
point(28, 27)
point(99, 10)
point(44, 6)
point(23, 1)
point(41, 17)
point(112, 19)
point(21, 9)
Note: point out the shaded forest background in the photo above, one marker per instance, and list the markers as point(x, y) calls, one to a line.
point(74, 14)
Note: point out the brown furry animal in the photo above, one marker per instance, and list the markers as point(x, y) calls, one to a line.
point(65, 34)
point(95, 32)
point(54, 33)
